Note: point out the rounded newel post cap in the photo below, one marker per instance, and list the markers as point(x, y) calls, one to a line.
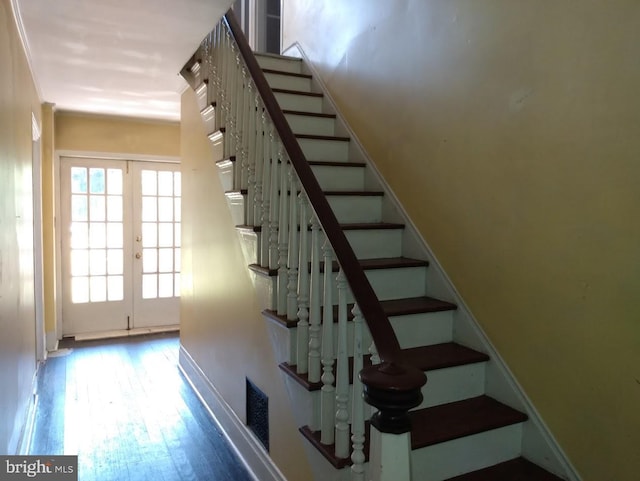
point(393, 388)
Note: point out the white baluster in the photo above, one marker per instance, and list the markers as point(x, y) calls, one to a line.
point(259, 167)
point(342, 372)
point(357, 403)
point(303, 289)
point(373, 350)
point(315, 302)
point(241, 133)
point(266, 195)
point(274, 202)
point(283, 238)
point(327, 395)
point(292, 286)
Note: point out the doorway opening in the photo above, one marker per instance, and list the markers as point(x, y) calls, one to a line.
point(120, 244)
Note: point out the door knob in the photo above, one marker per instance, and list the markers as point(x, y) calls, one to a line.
point(138, 255)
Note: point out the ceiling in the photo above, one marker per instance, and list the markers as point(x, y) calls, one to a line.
point(115, 57)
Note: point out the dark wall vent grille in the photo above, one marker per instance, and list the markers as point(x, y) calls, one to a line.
point(258, 413)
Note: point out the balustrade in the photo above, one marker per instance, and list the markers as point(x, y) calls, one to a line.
point(284, 199)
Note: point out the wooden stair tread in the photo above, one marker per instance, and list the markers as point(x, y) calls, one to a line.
point(296, 92)
point(439, 356)
point(322, 137)
point(356, 193)
point(354, 226)
point(458, 419)
point(334, 163)
point(394, 307)
point(415, 305)
point(263, 271)
point(443, 423)
point(371, 225)
point(384, 263)
point(425, 358)
point(518, 469)
point(308, 114)
point(289, 74)
point(391, 262)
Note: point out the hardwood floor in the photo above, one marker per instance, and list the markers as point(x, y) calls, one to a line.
point(124, 408)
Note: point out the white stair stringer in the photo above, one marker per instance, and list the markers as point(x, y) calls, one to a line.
point(450, 384)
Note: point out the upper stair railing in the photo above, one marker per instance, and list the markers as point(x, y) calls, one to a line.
point(273, 170)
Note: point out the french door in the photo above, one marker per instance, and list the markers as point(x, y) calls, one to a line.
point(120, 243)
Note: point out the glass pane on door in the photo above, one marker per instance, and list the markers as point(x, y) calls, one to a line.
point(160, 228)
point(97, 234)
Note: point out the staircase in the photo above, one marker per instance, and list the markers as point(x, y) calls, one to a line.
point(468, 422)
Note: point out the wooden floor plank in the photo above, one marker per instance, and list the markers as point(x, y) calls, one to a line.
point(124, 408)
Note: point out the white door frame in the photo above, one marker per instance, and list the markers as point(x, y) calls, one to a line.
point(56, 167)
point(38, 253)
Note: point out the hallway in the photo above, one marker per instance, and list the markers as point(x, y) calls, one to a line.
point(124, 408)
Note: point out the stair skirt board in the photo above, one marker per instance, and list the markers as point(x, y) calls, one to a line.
point(243, 441)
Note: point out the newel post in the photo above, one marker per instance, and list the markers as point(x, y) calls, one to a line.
point(393, 388)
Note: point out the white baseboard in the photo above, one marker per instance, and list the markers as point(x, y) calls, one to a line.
point(26, 434)
point(244, 443)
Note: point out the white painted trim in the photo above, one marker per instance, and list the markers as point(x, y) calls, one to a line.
point(38, 252)
point(26, 434)
point(36, 132)
point(24, 40)
point(245, 444)
point(114, 156)
point(295, 50)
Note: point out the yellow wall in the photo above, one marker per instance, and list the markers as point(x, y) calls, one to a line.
point(510, 132)
point(99, 133)
point(221, 325)
point(18, 100)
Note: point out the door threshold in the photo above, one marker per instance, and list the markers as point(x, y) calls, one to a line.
point(140, 331)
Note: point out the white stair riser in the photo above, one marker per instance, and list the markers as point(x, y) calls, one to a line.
point(282, 64)
point(309, 124)
point(331, 177)
point(398, 283)
point(395, 283)
point(470, 453)
point(375, 244)
point(288, 82)
point(325, 150)
point(397, 322)
point(414, 330)
point(302, 103)
point(453, 384)
point(356, 209)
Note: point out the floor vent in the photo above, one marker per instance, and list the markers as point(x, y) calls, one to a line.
point(258, 413)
